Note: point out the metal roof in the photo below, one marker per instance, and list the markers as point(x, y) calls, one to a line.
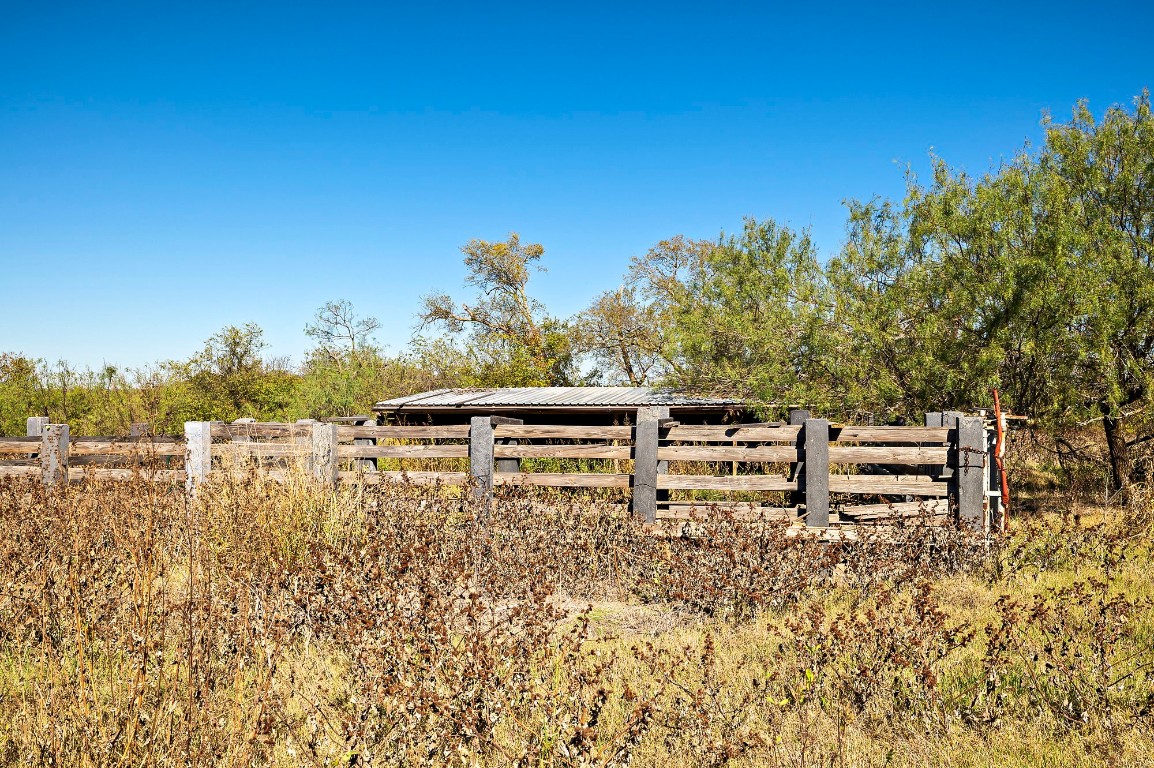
point(551, 397)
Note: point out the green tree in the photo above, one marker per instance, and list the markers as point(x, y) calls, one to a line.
point(510, 339)
point(749, 318)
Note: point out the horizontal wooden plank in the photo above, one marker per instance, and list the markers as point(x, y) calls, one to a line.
point(930, 507)
point(566, 451)
point(887, 454)
point(740, 510)
point(563, 431)
point(770, 453)
point(726, 483)
point(403, 433)
point(563, 480)
point(76, 474)
point(418, 478)
point(243, 450)
point(124, 448)
point(723, 433)
point(10, 471)
point(891, 434)
point(403, 451)
point(20, 446)
point(260, 429)
point(887, 484)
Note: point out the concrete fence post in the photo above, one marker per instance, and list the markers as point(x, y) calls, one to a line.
point(35, 425)
point(971, 473)
point(54, 454)
point(197, 454)
point(481, 456)
point(325, 463)
point(815, 473)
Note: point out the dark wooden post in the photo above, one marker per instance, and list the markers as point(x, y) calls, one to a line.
point(971, 472)
point(35, 426)
point(365, 465)
point(326, 465)
point(815, 474)
point(647, 438)
point(797, 418)
point(54, 454)
point(198, 453)
point(507, 464)
point(481, 456)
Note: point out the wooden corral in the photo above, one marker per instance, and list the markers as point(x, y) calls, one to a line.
point(813, 472)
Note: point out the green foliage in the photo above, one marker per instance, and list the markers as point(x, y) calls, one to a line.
point(511, 340)
point(749, 318)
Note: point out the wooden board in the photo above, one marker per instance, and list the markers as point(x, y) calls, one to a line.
point(459, 451)
point(887, 454)
point(739, 509)
point(727, 483)
point(27, 471)
point(19, 445)
point(418, 478)
point(563, 451)
point(728, 433)
point(890, 434)
point(345, 434)
point(76, 474)
point(563, 480)
point(766, 453)
point(241, 450)
point(897, 485)
point(563, 432)
point(260, 429)
point(95, 447)
point(932, 508)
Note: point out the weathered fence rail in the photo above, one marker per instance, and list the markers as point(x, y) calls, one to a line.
point(819, 471)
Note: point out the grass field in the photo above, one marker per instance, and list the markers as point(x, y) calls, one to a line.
point(283, 625)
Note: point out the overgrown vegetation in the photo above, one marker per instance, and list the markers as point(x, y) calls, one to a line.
point(290, 624)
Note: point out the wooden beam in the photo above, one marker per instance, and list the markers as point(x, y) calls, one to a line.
point(894, 485)
point(815, 474)
point(922, 435)
point(728, 433)
point(507, 451)
point(645, 465)
point(562, 432)
point(888, 454)
point(726, 482)
point(765, 453)
point(564, 479)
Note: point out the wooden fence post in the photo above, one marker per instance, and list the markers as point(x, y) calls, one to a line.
point(54, 454)
point(481, 456)
point(35, 425)
point(646, 467)
point(198, 453)
point(325, 463)
point(971, 472)
point(815, 474)
point(365, 465)
point(796, 498)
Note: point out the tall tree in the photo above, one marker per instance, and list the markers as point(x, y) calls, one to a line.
point(511, 338)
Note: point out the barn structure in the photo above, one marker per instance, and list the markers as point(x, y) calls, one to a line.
point(559, 405)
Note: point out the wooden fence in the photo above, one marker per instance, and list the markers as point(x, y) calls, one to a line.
point(821, 472)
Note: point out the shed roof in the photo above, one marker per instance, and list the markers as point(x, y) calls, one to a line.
point(617, 398)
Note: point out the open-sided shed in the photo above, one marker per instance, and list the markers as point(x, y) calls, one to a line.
point(558, 405)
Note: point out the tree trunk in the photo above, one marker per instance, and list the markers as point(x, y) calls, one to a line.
point(1119, 452)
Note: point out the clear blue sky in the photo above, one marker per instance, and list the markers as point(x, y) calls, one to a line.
point(168, 168)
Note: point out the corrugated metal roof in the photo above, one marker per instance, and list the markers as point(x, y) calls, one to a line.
point(550, 397)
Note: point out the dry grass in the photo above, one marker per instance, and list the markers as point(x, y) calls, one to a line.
point(269, 624)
